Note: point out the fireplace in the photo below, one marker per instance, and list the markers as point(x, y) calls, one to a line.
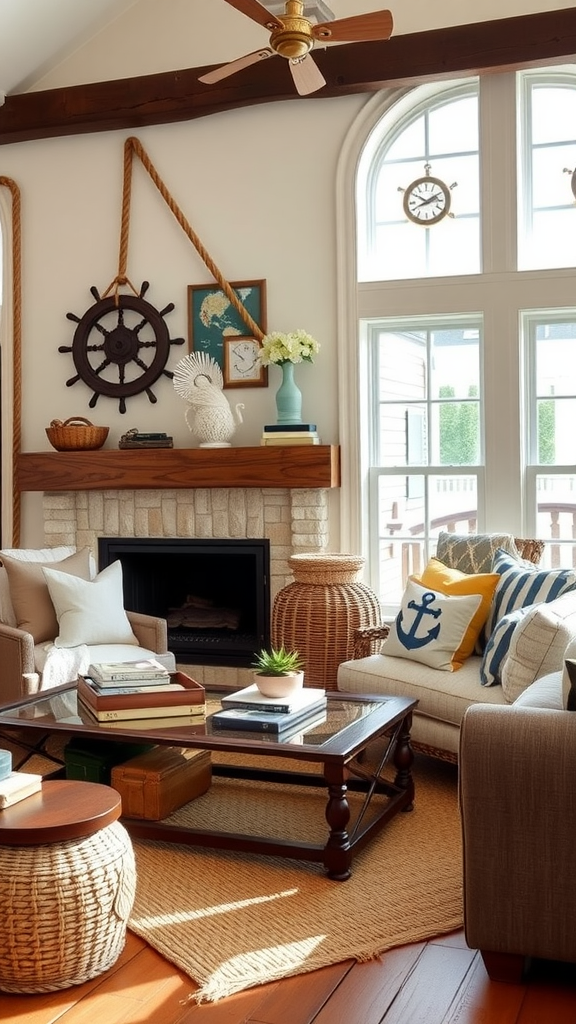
point(214, 594)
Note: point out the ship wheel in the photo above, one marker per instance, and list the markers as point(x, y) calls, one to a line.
point(121, 346)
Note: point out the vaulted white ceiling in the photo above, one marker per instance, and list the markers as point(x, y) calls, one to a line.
point(37, 36)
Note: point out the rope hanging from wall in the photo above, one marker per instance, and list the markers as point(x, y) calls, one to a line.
point(123, 336)
point(16, 352)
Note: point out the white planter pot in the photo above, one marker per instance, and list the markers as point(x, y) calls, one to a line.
point(279, 686)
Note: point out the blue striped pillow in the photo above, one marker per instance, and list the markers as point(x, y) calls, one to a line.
point(519, 588)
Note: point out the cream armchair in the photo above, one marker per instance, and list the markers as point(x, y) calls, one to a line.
point(30, 659)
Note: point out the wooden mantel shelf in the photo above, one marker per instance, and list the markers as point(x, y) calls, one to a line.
point(164, 468)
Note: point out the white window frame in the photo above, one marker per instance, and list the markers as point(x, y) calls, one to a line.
point(500, 294)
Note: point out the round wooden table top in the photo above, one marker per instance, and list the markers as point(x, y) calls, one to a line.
point(63, 809)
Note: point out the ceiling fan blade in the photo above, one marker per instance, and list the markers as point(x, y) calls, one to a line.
point(252, 9)
point(236, 65)
point(307, 75)
point(358, 29)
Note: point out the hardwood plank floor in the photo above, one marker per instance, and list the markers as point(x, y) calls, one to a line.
point(435, 982)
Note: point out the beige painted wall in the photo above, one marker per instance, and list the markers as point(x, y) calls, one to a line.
point(257, 185)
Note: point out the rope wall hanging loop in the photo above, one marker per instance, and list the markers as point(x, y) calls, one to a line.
point(16, 241)
point(121, 344)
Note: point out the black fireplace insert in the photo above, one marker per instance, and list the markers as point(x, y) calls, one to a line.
point(214, 594)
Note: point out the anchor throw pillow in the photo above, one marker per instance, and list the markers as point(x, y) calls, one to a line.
point(432, 628)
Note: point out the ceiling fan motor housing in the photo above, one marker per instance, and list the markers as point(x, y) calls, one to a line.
point(294, 40)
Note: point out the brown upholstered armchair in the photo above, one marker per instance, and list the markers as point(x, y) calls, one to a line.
point(518, 804)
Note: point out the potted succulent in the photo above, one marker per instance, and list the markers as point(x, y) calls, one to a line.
point(278, 672)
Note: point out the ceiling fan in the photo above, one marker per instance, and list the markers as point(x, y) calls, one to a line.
point(293, 37)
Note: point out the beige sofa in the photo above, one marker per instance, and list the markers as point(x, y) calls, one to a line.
point(445, 696)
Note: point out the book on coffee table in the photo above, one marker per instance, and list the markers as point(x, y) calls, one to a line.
point(186, 697)
point(250, 697)
point(112, 672)
point(17, 787)
point(265, 721)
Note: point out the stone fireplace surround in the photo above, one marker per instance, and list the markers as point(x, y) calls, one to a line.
point(294, 520)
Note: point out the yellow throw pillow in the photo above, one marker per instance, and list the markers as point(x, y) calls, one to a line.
point(454, 583)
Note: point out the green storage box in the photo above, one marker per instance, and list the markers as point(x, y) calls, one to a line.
point(93, 760)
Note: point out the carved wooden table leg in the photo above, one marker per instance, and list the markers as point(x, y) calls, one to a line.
point(337, 854)
point(404, 759)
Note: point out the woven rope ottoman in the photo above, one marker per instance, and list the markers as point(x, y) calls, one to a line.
point(67, 884)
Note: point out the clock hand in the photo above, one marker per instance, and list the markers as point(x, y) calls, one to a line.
point(425, 202)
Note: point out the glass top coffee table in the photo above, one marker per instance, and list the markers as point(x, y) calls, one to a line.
point(332, 755)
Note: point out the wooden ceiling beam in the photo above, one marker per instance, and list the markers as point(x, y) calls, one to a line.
point(526, 41)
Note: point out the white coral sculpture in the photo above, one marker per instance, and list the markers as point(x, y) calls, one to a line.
point(198, 380)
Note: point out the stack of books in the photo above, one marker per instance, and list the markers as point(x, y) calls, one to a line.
point(143, 693)
point(17, 786)
point(295, 433)
point(280, 716)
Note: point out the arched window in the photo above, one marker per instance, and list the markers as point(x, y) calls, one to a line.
point(457, 390)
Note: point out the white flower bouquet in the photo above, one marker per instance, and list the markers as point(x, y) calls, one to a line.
point(294, 347)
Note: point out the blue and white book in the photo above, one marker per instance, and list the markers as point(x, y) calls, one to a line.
point(264, 721)
point(250, 697)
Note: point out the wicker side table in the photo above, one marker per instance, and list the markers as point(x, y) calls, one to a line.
point(67, 883)
point(318, 613)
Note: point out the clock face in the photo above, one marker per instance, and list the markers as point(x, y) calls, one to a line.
point(241, 366)
point(243, 358)
point(426, 201)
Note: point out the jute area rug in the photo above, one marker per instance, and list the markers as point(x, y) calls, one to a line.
point(231, 921)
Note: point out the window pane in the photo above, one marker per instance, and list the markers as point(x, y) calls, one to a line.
point(547, 221)
point(454, 121)
point(441, 143)
point(554, 113)
point(551, 182)
point(412, 510)
point(557, 518)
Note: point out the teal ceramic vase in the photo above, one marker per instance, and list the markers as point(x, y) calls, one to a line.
point(288, 397)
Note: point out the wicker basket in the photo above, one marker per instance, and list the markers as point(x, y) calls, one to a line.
point(319, 613)
point(76, 435)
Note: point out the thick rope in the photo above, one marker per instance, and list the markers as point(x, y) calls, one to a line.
point(133, 145)
point(17, 351)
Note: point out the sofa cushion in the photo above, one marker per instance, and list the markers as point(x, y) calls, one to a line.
point(520, 585)
point(59, 665)
point(538, 644)
point(473, 552)
point(31, 601)
point(90, 612)
point(7, 614)
point(545, 692)
point(443, 696)
point(441, 577)
point(519, 588)
point(433, 628)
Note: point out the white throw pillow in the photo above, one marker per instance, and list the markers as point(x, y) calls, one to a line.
point(538, 644)
point(90, 612)
point(431, 627)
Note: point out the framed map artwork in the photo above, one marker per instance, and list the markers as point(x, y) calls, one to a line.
point(212, 317)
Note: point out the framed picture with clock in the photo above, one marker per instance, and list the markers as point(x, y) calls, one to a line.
point(212, 318)
point(241, 367)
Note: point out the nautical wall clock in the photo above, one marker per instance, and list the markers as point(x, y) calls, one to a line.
point(427, 200)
